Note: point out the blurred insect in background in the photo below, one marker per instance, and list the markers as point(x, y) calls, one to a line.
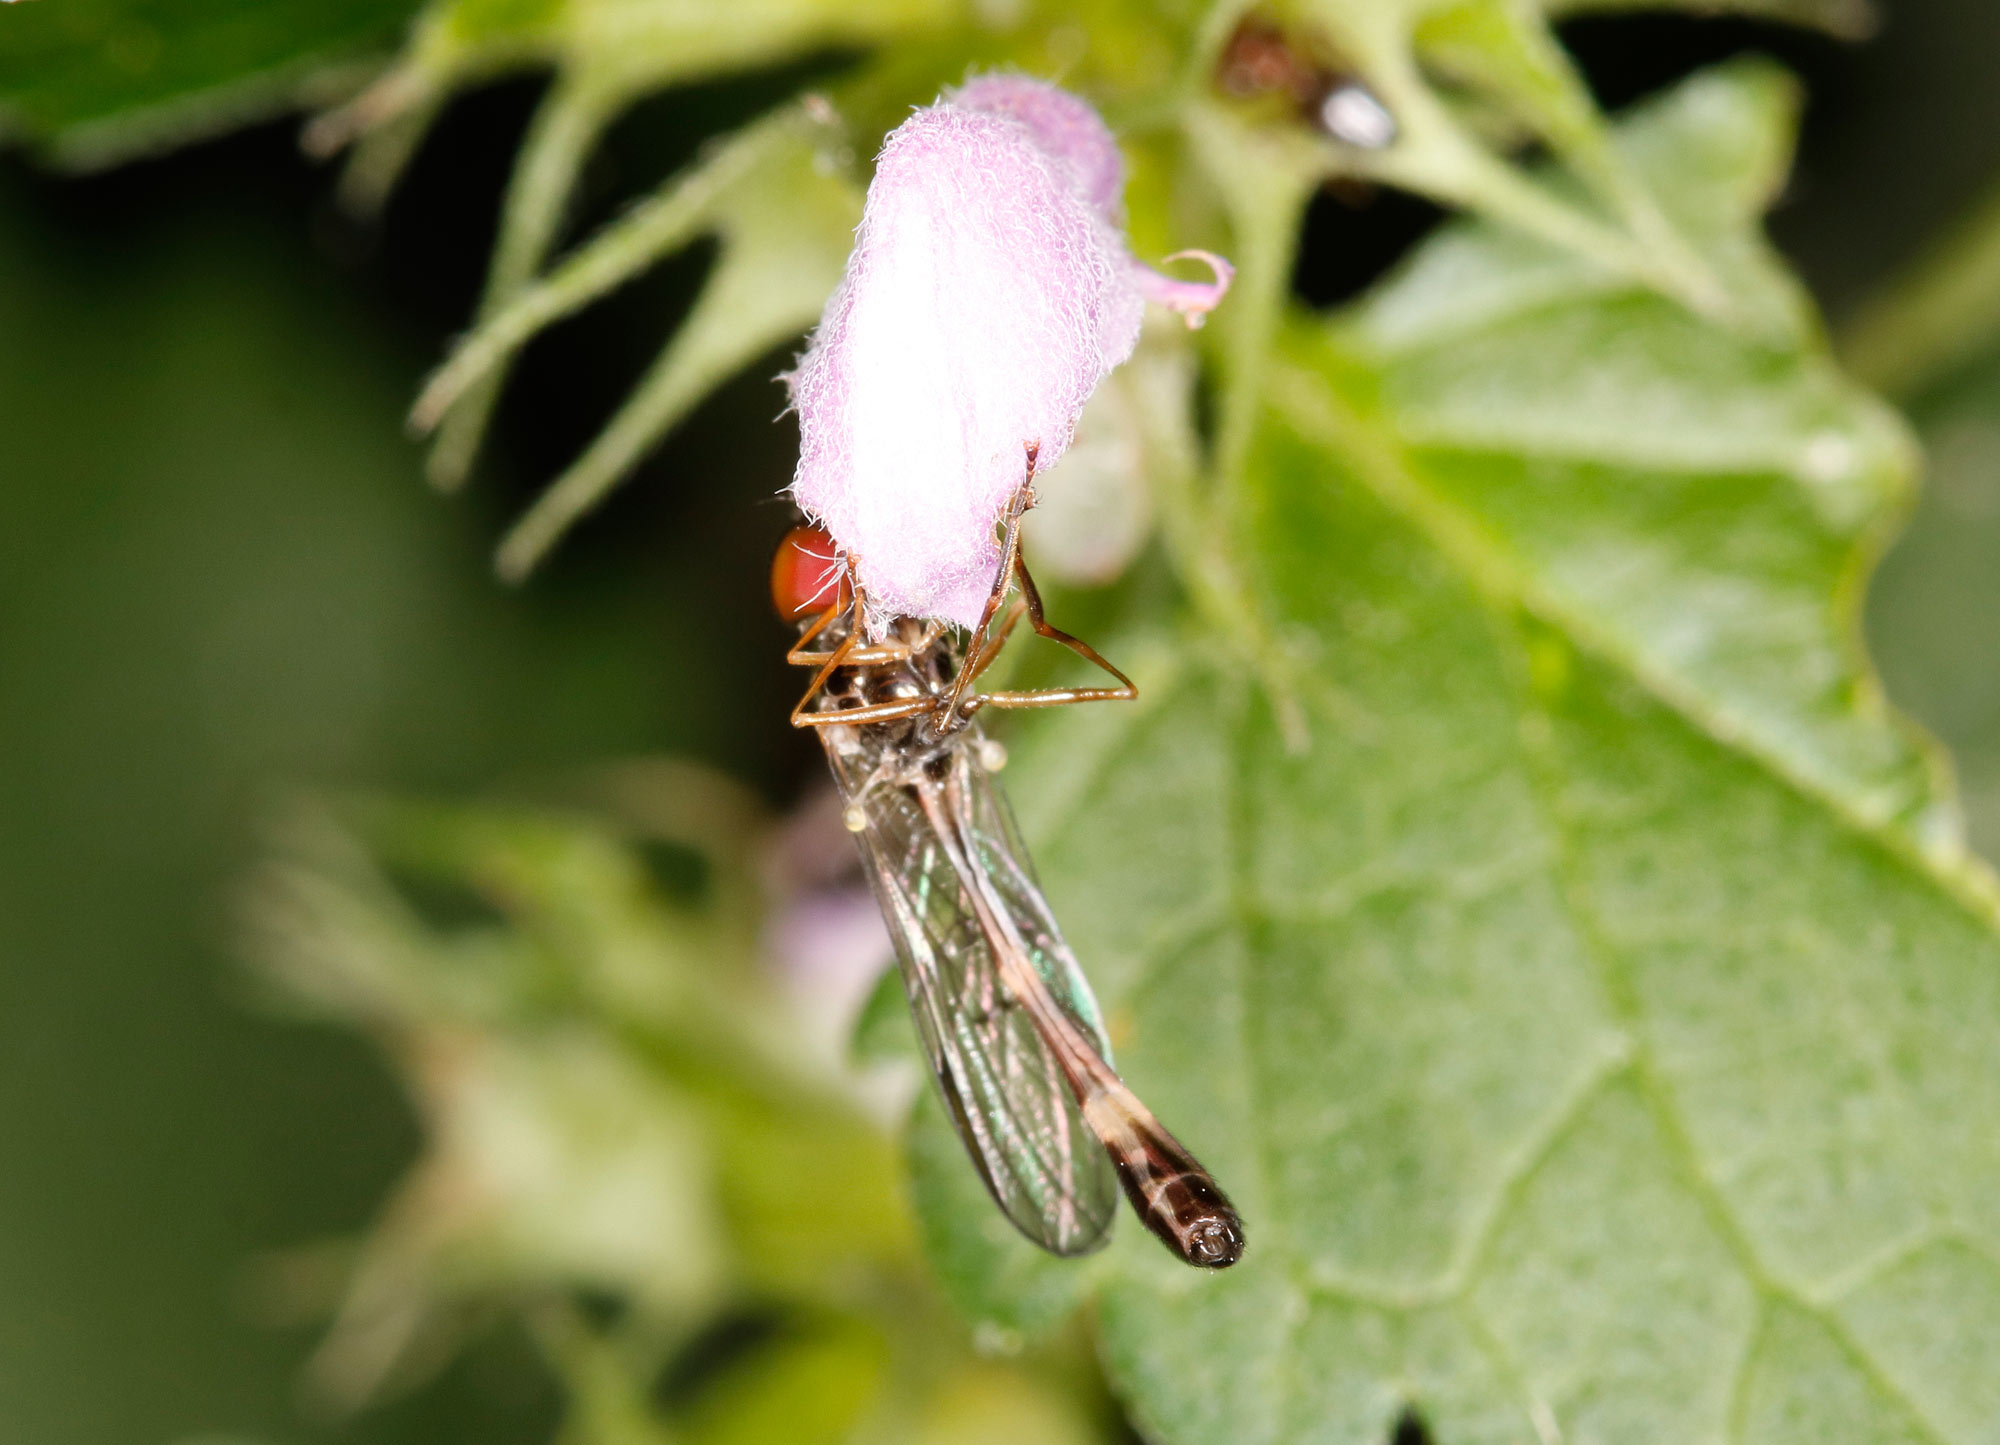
point(1261, 60)
point(1006, 1017)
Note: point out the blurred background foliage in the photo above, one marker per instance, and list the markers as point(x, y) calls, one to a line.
point(221, 580)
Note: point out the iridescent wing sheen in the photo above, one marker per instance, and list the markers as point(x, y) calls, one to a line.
point(1004, 859)
point(1005, 1092)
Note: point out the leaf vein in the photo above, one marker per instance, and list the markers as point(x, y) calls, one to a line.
point(1541, 1416)
point(1738, 1394)
point(1380, 466)
point(1652, 1089)
point(1539, 1146)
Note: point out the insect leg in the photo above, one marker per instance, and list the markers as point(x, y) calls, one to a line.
point(953, 714)
point(1015, 609)
point(797, 655)
point(1031, 598)
point(848, 654)
point(855, 656)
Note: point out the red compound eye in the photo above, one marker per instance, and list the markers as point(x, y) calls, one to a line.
point(807, 575)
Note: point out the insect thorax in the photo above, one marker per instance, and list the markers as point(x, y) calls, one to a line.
point(895, 751)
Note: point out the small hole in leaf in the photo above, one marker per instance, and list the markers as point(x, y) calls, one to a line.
point(1410, 1429)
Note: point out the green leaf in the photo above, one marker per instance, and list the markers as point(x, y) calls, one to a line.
point(1712, 159)
point(1594, 1021)
point(1698, 506)
point(94, 82)
point(651, 43)
point(811, 1388)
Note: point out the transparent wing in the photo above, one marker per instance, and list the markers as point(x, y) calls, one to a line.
point(1004, 1090)
point(996, 847)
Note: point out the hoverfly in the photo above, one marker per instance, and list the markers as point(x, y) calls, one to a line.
point(1007, 1020)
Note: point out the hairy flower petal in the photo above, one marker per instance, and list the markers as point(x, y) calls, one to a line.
point(989, 292)
point(1066, 128)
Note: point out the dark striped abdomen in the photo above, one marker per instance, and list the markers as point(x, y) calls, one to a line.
point(1175, 1197)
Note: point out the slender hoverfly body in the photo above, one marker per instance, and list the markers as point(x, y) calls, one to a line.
point(1006, 1018)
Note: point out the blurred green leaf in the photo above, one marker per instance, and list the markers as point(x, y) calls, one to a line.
point(94, 82)
point(991, 1404)
point(1594, 1019)
point(1712, 163)
point(646, 42)
point(619, 1107)
point(813, 1387)
point(883, 1031)
point(606, 53)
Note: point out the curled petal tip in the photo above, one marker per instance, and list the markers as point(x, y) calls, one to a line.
point(1193, 299)
point(1224, 272)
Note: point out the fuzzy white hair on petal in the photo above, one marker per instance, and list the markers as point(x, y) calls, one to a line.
point(1066, 129)
point(989, 292)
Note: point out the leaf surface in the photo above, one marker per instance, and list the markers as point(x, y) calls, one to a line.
point(94, 82)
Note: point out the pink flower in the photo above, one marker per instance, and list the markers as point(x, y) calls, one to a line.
point(989, 292)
